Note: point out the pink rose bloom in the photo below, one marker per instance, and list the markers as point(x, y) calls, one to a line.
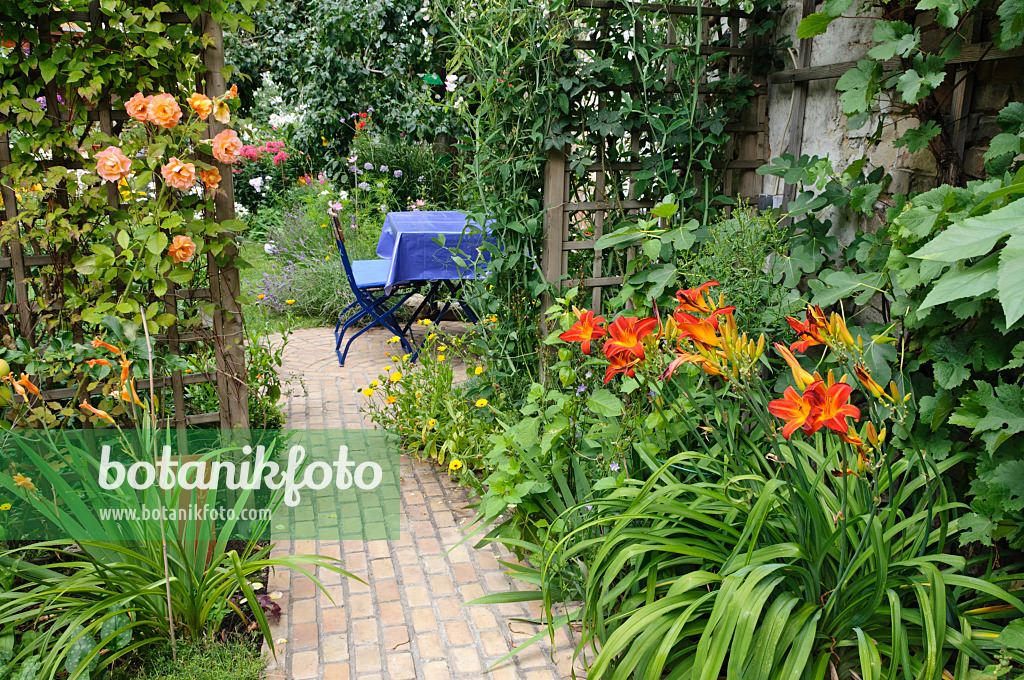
point(163, 110)
point(227, 147)
point(179, 174)
point(112, 165)
point(138, 107)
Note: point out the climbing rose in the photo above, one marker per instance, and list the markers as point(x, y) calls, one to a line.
point(227, 146)
point(138, 107)
point(211, 178)
point(163, 110)
point(182, 248)
point(112, 165)
point(201, 104)
point(179, 174)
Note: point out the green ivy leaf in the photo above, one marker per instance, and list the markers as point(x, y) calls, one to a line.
point(896, 38)
point(917, 138)
point(1011, 24)
point(814, 24)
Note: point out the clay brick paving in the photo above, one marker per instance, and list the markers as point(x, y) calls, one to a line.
point(409, 620)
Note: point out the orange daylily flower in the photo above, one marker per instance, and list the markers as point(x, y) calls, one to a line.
point(96, 342)
point(625, 334)
point(829, 402)
point(132, 396)
point(810, 331)
point(96, 412)
point(24, 482)
point(864, 376)
point(693, 299)
point(801, 376)
point(701, 331)
point(795, 409)
point(684, 357)
point(587, 327)
point(621, 362)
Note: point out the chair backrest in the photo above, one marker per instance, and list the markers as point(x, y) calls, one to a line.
point(339, 240)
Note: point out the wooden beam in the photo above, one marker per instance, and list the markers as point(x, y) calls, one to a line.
point(969, 54)
point(796, 133)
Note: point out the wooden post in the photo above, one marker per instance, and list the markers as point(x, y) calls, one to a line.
point(25, 325)
point(796, 133)
point(225, 287)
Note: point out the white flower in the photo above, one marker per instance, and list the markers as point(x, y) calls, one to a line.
point(343, 195)
point(256, 183)
point(324, 192)
point(383, 208)
point(269, 248)
point(451, 82)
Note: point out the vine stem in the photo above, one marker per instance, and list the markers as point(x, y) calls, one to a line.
point(163, 534)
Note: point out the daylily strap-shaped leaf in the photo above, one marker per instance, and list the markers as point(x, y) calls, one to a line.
point(625, 334)
point(587, 327)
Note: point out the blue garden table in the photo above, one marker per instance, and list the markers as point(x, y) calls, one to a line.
point(410, 241)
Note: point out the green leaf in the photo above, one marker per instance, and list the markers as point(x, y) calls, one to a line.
point(948, 10)
point(1011, 278)
point(949, 376)
point(1003, 143)
point(1011, 24)
point(813, 24)
point(962, 283)
point(913, 85)
point(47, 69)
point(860, 86)
point(973, 236)
point(896, 38)
point(917, 138)
point(157, 243)
point(665, 210)
point(604, 403)
point(652, 248)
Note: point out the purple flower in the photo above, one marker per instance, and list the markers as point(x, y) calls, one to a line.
point(581, 389)
point(398, 173)
point(352, 168)
point(364, 186)
point(588, 375)
point(369, 109)
point(383, 168)
point(368, 166)
point(614, 467)
point(589, 507)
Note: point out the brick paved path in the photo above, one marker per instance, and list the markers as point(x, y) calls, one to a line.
point(410, 622)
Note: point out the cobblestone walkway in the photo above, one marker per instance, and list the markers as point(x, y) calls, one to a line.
point(410, 621)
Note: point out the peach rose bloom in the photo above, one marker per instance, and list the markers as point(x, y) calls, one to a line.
point(227, 147)
point(112, 165)
point(201, 104)
point(232, 93)
point(163, 110)
point(211, 178)
point(182, 248)
point(179, 174)
point(138, 107)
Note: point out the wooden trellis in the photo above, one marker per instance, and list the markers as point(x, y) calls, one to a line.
point(28, 271)
point(606, 189)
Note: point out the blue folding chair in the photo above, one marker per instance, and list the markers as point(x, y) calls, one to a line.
point(367, 279)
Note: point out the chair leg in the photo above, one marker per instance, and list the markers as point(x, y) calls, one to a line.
point(338, 337)
point(383, 319)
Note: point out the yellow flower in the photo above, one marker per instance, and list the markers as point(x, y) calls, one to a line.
point(289, 302)
point(481, 403)
point(24, 482)
point(391, 399)
point(431, 336)
point(375, 383)
point(394, 339)
point(478, 370)
point(440, 358)
point(494, 319)
point(405, 357)
point(260, 296)
point(327, 258)
point(396, 376)
point(442, 348)
point(456, 464)
point(387, 368)
point(425, 322)
point(5, 507)
point(323, 140)
point(431, 423)
point(367, 392)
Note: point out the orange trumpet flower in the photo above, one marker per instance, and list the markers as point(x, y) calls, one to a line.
point(625, 334)
point(27, 384)
point(98, 362)
point(96, 412)
point(125, 368)
point(96, 342)
point(587, 327)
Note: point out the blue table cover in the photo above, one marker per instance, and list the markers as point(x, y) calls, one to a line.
point(410, 241)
